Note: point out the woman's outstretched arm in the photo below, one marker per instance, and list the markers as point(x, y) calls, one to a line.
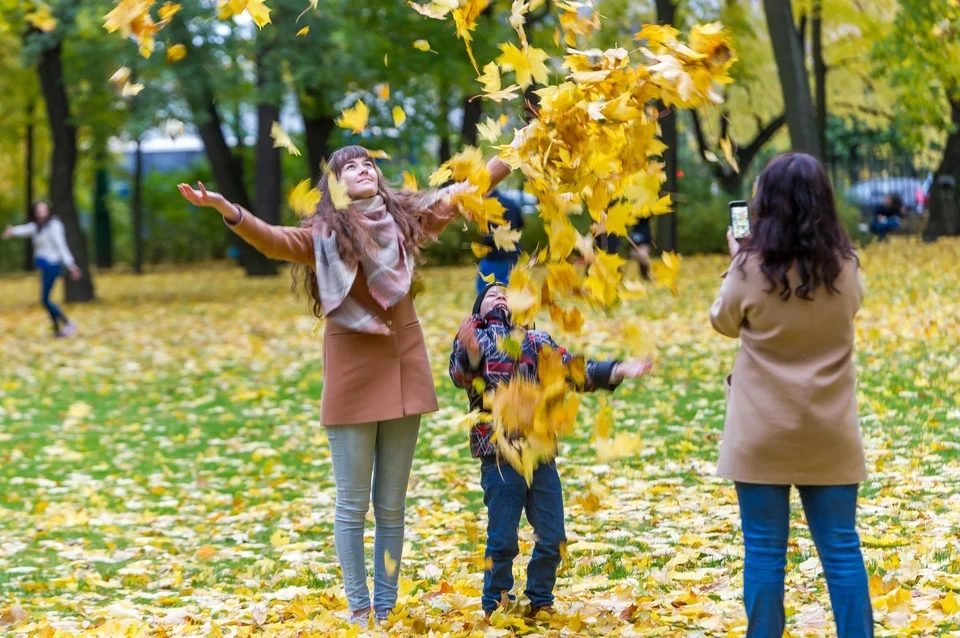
point(286, 243)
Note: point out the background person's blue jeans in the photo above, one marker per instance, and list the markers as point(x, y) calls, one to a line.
point(831, 515)
point(506, 495)
point(499, 268)
point(883, 228)
point(48, 277)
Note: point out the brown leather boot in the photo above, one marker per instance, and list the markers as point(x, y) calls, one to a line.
point(533, 612)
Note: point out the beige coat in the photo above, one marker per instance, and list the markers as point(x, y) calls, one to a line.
point(366, 377)
point(791, 400)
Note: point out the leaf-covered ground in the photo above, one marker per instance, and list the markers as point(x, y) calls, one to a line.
point(164, 472)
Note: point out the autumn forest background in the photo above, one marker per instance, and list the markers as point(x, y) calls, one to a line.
point(164, 472)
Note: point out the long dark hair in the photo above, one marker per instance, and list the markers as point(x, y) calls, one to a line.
point(33, 213)
point(353, 237)
point(795, 222)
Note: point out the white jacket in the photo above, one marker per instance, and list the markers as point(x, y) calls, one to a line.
point(50, 243)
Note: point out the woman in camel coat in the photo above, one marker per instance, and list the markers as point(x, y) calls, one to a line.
point(791, 295)
point(356, 265)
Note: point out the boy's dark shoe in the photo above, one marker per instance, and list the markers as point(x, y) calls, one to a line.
point(533, 612)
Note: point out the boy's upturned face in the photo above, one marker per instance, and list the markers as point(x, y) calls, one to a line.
point(496, 297)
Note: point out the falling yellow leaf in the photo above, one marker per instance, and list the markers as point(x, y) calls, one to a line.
point(727, 148)
point(422, 45)
point(667, 271)
point(282, 140)
point(505, 238)
point(527, 64)
point(176, 53)
point(440, 176)
point(410, 182)
point(378, 153)
point(173, 128)
point(489, 130)
point(480, 251)
point(259, 12)
point(168, 10)
point(399, 117)
point(130, 89)
point(389, 563)
point(304, 31)
point(42, 19)
point(355, 118)
point(121, 76)
point(386, 60)
point(304, 199)
point(338, 192)
point(383, 92)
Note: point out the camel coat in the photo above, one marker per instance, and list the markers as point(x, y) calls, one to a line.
point(366, 378)
point(791, 400)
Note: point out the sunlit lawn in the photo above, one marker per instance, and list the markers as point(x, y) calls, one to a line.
point(165, 471)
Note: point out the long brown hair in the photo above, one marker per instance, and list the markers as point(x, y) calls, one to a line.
point(353, 238)
point(796, 225)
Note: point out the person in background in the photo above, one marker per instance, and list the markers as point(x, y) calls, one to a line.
point(887, 217)
point(642, 239)
point(499, 262)
point(790, 295)
point(52, 255)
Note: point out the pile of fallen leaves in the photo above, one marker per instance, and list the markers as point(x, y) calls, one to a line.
point(163, 472)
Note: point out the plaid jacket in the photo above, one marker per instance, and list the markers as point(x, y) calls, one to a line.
point(497, 367)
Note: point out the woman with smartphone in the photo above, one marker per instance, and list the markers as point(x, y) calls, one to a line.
point(791, 295)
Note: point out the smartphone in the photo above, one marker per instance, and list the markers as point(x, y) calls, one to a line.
point(739, 219)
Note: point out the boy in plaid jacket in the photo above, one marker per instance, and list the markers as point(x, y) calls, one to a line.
point(505, 491)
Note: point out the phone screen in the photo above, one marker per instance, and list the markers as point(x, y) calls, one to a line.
point(740, 220)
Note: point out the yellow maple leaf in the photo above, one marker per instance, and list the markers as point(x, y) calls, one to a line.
point(505, 238)
point(490, 78)
point(279, 538)
point(480, 251)
point(304, 31)
point(667, 271)
point(437, 9)
point(176, 53)
point(489, 130)
point(410, 182)
point(422, 45)
point(440, 176)
point(259, 12)
point(130, 89)
point(304, 199)
point(282, 140)
point(527, 64)
point(399, 117)
point(378, 153)
point(338, 192)
point(727, 147)
point(949, 604)
point(120, 76)
point(355, 118)
point(168, 10)
point(390, 563)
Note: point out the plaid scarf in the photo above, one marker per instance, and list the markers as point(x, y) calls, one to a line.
point(388, 270)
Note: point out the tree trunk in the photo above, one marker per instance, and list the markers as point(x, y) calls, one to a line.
point(28, 186)
point(472, 112)
point(820, 77)
point(317, 130)
point(136, 210)
point(228, 173)
point(267, 179)
point(63, 167)
point(788, 52)
point(102, 232)
point(944, 193)
point(666, 225)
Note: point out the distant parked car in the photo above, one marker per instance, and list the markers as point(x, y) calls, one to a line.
point(869, 194)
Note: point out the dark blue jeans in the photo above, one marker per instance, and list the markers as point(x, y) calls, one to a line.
point(506, 495)
point(831, 515)
point(882, 228)
point(48, 276)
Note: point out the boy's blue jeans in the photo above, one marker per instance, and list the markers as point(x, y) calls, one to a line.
point(831, 515)
point(506, 495)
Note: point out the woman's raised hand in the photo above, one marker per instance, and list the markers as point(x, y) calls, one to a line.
point(203, 197)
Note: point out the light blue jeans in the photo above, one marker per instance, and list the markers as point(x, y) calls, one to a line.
point(383, 451)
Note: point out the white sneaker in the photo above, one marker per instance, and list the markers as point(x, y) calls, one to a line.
point(68, 329)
